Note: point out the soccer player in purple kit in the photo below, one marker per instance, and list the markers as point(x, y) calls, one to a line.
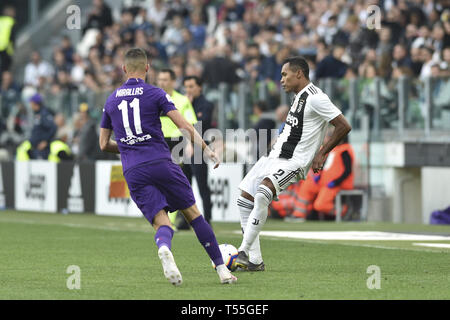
point(157, 185)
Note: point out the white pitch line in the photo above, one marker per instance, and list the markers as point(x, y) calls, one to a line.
point(433, 245)
point(354, 244)
point(73, 225)
point(355, 235)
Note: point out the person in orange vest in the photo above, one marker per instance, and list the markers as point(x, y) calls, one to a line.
point(285, 204)
point(319, 191)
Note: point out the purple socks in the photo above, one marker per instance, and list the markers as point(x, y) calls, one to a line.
point(207, 238)
point(163, 237)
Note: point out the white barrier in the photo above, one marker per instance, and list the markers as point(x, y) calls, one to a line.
point(223, 182)
point(35, 186)
point(36, 189)
point(104, 205)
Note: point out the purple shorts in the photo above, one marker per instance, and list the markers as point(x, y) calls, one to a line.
point(159, 185)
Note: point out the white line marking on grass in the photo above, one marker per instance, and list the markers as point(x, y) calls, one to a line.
point(74, 225)
point(354, 235)
point(433, 245)
point(354, 244)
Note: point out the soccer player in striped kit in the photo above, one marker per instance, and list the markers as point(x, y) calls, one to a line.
point(297, 149)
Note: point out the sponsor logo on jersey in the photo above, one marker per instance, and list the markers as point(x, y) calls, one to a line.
point(292, 120)
point(130, 140)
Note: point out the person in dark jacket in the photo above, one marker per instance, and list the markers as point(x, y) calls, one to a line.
point(204, 111)
point(86, 138)
point(99, 17)
point(44, 129)
point(331, 66)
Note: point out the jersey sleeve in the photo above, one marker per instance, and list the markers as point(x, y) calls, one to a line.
point(106, 120)
point(165, 103)
point(323, 106)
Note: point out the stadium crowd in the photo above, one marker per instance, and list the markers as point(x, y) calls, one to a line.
point(225, 41)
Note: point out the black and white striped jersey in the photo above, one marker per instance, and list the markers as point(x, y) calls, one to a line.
point(305, 126)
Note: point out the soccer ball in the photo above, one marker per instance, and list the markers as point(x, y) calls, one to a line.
point(229, 255)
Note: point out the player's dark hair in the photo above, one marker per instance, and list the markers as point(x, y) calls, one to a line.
point(197, 80)
point(135, 60)
point(298, 62)
point(173, 76)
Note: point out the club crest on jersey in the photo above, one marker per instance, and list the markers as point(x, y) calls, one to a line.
point(301, 102)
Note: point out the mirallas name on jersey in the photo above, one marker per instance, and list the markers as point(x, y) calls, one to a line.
point(130, 92)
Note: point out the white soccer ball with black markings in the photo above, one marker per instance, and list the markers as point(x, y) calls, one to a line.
point(229, 255)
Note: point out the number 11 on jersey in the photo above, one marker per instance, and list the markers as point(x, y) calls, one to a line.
point(123, 106)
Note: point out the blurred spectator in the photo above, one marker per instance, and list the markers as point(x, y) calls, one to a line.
point(60, 150)
point(219, 68)
point(44, 129)
point(197, 29)
point(85, 140)
point(172, 37)
point(424, 38)
point(203, 110)
point(78, 69)
point(63, 130)
point(9, 95)
point(400, 57)
point(36, 69)
point(438, 36)
point(411, 34)
point(441, 88)
point(428, 61)
point(59, 61)
point(156, 13)
point(385, 43)
point(9, 100)
point(99, 17)
point(67, 49)
point(7, 37)
point(332, 66)
point(369, 94)
point(416, 61)
point(230, 11)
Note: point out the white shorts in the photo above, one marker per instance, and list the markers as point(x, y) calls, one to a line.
point(282, 173)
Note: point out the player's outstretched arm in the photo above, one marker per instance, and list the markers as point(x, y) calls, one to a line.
point(341, 129)
point(106, 144)
point(188, 130)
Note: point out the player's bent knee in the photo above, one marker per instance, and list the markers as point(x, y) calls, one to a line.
point(247, 196)
point(263, 196)
point(160, 219)
point(268, 183)
point(191, 213)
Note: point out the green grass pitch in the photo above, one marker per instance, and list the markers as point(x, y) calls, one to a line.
point(118, 260)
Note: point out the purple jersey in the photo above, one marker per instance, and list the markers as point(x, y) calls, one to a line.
point(132, 112)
